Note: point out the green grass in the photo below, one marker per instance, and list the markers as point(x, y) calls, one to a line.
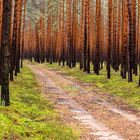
point(117, 86)
point(30, 117)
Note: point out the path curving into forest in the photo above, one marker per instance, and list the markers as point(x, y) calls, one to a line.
point(94, 112)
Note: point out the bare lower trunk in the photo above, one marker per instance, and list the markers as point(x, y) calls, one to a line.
point(5, 44)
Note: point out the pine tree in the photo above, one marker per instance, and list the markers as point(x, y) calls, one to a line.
point(5, 46)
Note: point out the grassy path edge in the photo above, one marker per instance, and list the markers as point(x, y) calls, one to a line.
point(116, 86)
point(30, 116)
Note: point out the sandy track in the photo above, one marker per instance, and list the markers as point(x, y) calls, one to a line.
point(88, 106)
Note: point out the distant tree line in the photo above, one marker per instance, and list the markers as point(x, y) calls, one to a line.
point(88, 32)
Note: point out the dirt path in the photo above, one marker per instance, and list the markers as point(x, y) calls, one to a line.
point(95, 112)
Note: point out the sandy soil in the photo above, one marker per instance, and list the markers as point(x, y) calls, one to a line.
point(97, 114)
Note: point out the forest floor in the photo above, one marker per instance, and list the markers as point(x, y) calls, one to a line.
point(99, 114)
point(30, 116)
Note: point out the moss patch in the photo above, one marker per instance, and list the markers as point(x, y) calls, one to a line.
point(30, 117)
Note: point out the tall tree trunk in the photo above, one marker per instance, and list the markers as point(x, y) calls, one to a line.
point(85, 36)
point(5, 45)
point(14, 41)
point(124, 58)
point(134, 48)
point(138, 40)
point(88, 42)
point(130, 47)
point(1, 4)
point(98, 43)
point(82, 37)
point(23, 30)
point(17, 60)
point(109, 38)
